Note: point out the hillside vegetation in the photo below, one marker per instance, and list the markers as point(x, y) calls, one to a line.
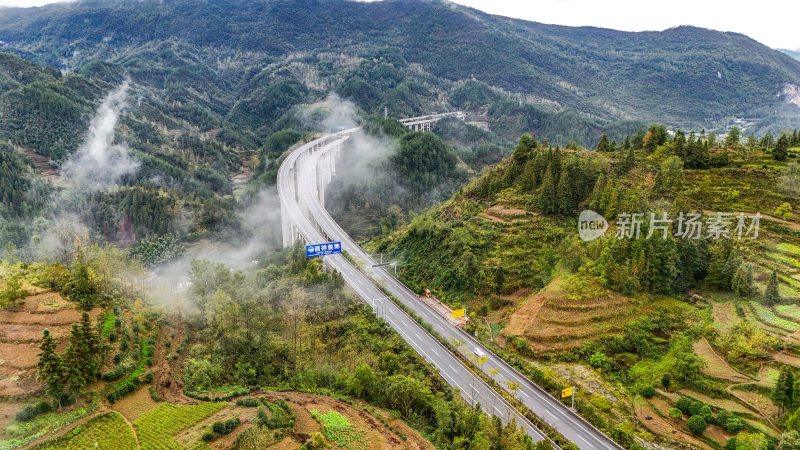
point(627, 311)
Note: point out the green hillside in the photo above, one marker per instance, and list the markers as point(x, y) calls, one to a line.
point(622, 316)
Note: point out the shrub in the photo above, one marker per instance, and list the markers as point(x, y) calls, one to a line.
point(248, 402)
point(147, 378)
point(648, 392)
point(675, 413)
point(222, 428)
point(696, 424)
point(706, 413)
point(666, 381)
point(29, 412)
point(123, 389)
point(683, 404)
point(209, 436)
point(734, 425)
point(695, 407)
point(722, 417)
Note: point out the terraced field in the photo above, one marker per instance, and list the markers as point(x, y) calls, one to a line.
point(107, 432)
point(769, 317)
point(789, 311)
point(156, 428)
point(716, 367)
point(554, 319)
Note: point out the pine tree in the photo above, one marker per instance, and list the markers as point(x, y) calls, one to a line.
point(564, 193)
point(796, 393)
point(742, 283)
point(595, 198)
point(781, 151)
point(771, 294)
point(723, 264)
point(783, 393)
point(51, 368)
point(548, 203)
point(628, 162)
point(92, 344)
point(603, 145)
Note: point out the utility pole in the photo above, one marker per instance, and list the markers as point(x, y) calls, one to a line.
point(385, 112)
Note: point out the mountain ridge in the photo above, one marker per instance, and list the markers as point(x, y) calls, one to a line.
point(680, 76)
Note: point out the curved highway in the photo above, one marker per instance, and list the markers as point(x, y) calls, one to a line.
point(299, 187)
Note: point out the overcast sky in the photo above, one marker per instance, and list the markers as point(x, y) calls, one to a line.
point(771, 22)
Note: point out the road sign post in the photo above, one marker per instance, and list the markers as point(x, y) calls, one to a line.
point(569, 392)
point(327, 248)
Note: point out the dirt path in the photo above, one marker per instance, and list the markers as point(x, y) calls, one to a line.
point(794, 226)
point(66, 429)
point(717, 366)
point(166, 373)
point(748, 400)
point(133, 430)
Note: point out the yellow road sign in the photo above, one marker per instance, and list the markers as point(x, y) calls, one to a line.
point(566, 392)
point(458, 313)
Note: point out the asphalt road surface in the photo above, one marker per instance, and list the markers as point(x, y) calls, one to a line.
point(300, 200)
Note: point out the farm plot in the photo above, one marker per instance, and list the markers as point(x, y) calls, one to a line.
point(135, 405)
point(339, 431)
point(156, 428)
point(767, 316)
point(109, 431)
point(716, 367)
point(789, 311)
point(661, 427)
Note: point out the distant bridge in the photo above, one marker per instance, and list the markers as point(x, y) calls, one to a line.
point(426, 123)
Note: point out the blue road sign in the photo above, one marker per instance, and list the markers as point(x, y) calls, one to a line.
point(328, 248)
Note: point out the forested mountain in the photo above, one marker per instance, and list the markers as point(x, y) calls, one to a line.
point(250, 61)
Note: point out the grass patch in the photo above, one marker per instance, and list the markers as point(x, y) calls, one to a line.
point(106, 431)
point(338, 430)
point(109, 323)
point(156, 428)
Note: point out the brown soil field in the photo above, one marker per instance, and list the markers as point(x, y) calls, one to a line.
point(7, 412)
point(167, 374)
point(763, 404)
point(787, 358)
point(46, 301)
point(378, 435)
point(21, 332)
point(193, 434)
point(500, 214)
point(724, 316)
point(661, 427)
point(553, 320)
point(724, 403)
point(716, 366)
point(134, 405)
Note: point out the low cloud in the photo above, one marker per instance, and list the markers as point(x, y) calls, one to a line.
point(100, 163)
